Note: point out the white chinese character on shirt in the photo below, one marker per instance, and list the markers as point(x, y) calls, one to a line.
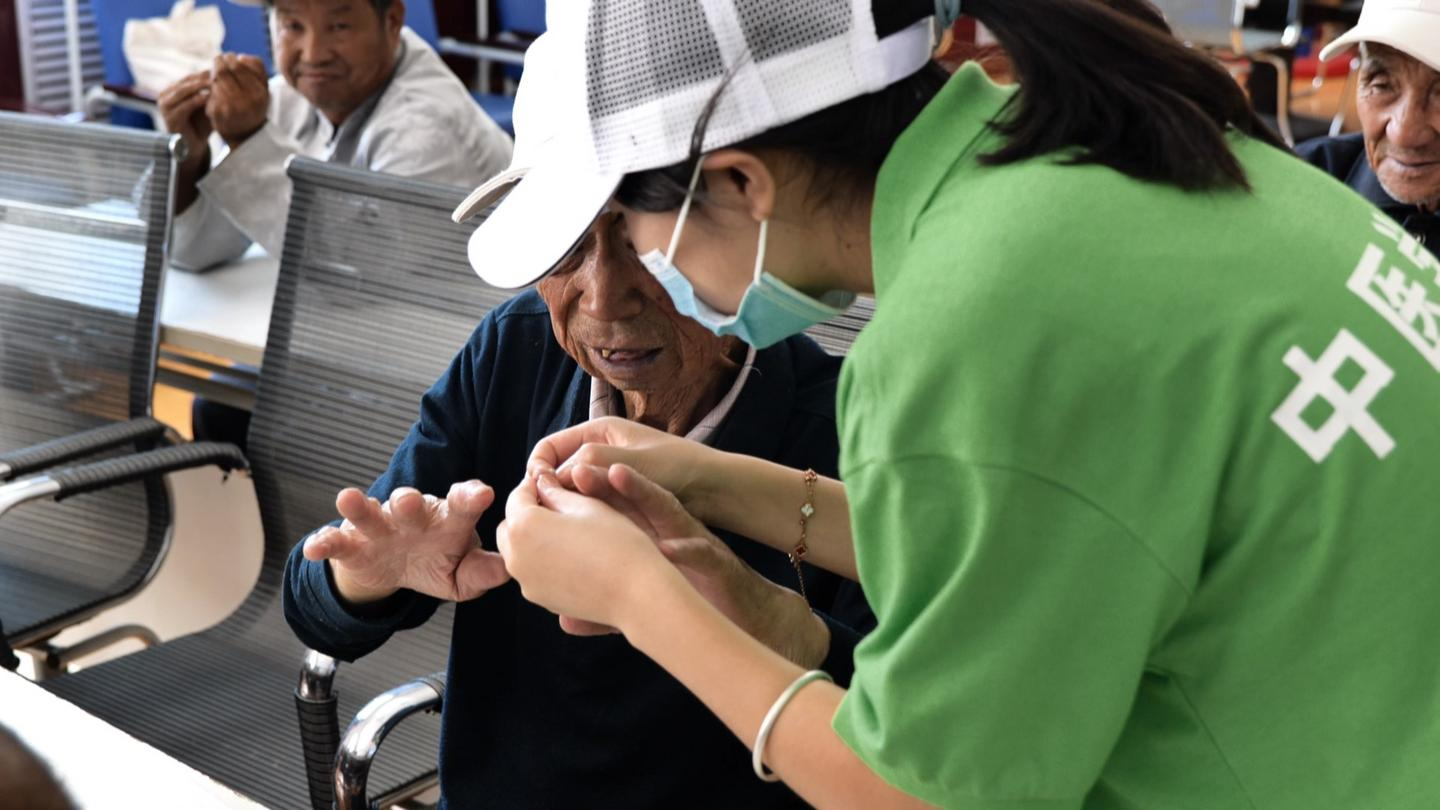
point(1350, 408)
point(1403, 295)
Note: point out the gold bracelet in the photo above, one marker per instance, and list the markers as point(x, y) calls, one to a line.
point(807, 511)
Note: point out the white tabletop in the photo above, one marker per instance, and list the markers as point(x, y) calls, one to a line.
point(225, 311)
point(99, 765)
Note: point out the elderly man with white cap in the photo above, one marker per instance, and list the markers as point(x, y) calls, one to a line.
point(1394, 161)
point(535, 717)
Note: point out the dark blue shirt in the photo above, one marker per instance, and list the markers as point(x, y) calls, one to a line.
point(534, 718)
point(1344, 159)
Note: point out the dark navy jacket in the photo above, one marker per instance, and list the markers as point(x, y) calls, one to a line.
point(1344, 159)
point(534, 718)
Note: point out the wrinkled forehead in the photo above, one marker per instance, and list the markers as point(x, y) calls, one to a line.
point(1374, 54)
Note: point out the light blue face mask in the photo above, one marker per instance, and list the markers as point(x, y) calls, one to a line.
point(771, 309)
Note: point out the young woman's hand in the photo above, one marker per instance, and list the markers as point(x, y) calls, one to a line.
point(578, 557)
point(776, 616)
point(678, 465)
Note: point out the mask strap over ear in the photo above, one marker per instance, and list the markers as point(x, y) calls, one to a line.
point(684, 212)
point(760, 252)
point(947, 12)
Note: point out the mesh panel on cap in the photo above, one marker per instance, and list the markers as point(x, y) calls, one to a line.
point(640, 50)
point(772, 29)
point(651, 67)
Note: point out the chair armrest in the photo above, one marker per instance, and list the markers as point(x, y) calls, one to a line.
point(16, 463)
point(64, 483)
point(315, 703)
point(129, 93)
point(368, 730)
point(508, 50)
point(117, 95)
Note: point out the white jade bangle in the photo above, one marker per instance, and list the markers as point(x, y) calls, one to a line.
point(757, 759)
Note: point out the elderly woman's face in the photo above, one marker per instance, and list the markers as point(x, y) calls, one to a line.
point(616, 320)
point(1399, 107)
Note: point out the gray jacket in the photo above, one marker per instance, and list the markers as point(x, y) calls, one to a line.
point(422, 124)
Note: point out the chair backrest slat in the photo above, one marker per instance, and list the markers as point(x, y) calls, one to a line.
point(375, 296)
point(838, 334)
point(84, 214)
point(1210, 23)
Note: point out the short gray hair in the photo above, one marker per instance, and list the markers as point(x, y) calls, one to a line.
point(380, 6)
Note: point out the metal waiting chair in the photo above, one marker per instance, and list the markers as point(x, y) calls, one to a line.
point(1239, 26)
point(375, 295)
point(1345, 15)
point(83, 222)
point(1264, 31)
point(364, 739)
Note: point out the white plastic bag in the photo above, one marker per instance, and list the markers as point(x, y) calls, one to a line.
point(164, 50)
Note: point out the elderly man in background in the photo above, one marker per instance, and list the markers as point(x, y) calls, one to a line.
point(1394, 161)
point(354, 86)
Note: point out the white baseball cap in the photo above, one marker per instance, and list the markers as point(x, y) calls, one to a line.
point(617, 86)
point(1409, 26)
point(549, 104)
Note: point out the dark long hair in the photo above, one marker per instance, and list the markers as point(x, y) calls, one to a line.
point(1105, 78)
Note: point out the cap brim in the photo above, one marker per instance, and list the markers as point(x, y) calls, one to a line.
point(1341, 44)
point(537, 224)
point(488, 194)
point(1417, 36)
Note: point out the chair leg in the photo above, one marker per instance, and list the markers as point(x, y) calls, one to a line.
point(485, 82)
point(57, 660)
point(1282, 92)
point(316, 703)
point(1337, 124)
point(8, 659)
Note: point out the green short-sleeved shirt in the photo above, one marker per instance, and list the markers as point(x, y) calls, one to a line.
point(1144, 486)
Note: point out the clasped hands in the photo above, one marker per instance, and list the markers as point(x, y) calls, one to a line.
point(592, 533)
point(232, 98)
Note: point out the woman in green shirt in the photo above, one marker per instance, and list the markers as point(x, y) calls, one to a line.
point(1135, 450)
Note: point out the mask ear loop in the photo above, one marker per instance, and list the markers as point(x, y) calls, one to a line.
point(760, 251)
point(684, 212)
